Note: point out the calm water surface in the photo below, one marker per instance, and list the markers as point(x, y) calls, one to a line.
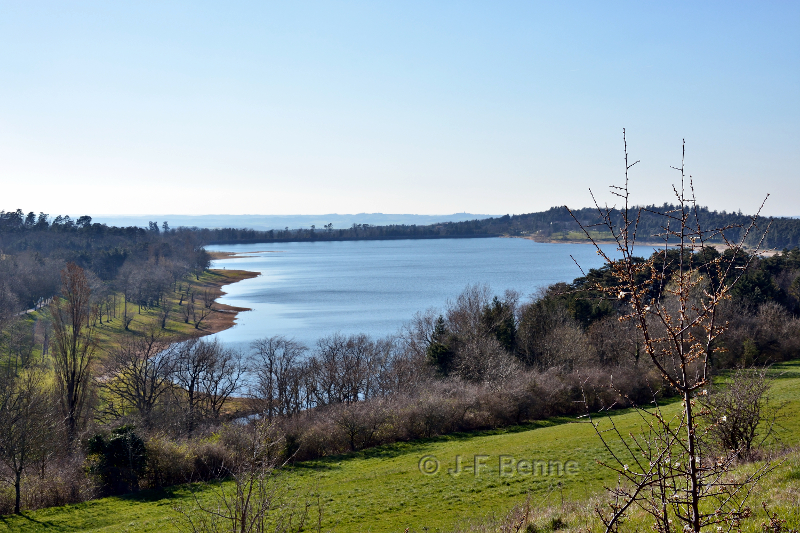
point(308, 290)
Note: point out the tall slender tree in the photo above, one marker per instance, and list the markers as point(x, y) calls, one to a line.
point(74, 346)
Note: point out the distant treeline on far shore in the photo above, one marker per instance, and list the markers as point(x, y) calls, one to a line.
point(555, 224)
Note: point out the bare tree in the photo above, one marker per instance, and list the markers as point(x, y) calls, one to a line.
point(401, 370)
point(164, 311)
point(192, 360)
point(327, 368)
point(17, 345)
point(222, 379)
point(25, 424)
point(208, 299)
point(275, 359)
point(126, 283)
point(673, 298)
point(418, 334)
point(200, 313)
point(138, 374)
point(483, 360)
point(207, 376)
point(187, 312)
point(73, 346)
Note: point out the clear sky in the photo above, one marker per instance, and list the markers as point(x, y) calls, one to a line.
point(396, 107)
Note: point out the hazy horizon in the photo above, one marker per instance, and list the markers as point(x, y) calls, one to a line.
point(267, 222)
point(278, 222)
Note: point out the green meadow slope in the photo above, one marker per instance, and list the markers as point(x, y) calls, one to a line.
point(418, 485)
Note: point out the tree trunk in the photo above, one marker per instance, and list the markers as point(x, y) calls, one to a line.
point(695, 487)
point(17, 483)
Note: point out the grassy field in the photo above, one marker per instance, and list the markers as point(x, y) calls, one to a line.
point(110, 333)
point(384, 489)
point(211, 281)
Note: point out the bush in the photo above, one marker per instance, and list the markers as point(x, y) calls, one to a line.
point(739, 414)
point(117, 460)
point(62, 482)
point(168, 463)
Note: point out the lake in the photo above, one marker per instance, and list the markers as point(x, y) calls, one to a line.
point(309, 290)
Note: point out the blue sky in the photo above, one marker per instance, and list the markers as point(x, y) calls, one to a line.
point(404, 107)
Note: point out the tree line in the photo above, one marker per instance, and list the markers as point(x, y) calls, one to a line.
point(139, 262)
point(556, 222)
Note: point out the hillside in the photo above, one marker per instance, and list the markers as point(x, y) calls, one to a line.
point(383, 489)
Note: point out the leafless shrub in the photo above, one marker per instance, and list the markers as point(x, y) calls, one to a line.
point(257, 502)
point(360, 422)
point(440, 408)
point(673, 299)
point(739, 415)
point(518, 518)
point(62, 482)
point(774, 523)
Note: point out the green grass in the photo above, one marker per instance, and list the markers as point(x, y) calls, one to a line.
point(111, 333)
point(383, 489)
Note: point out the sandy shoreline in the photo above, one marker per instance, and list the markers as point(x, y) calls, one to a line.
point(236, 255)
point(225, 315)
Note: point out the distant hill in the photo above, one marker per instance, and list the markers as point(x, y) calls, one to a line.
point(275, 222)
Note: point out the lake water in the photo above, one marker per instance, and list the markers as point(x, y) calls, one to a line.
point(308, 290)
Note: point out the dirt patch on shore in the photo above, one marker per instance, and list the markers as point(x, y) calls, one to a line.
point(225, 315)
point(234, 255)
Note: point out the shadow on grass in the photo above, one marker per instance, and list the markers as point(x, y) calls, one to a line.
point(154, 495)
point(398, 449)
point(11, 521)
point(776, 371)
point(423, 445)
point(785, 370)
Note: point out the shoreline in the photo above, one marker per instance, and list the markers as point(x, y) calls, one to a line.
point(238, 255)
point(225, 315)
